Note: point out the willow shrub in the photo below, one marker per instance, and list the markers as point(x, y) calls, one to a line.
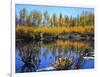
point(24, 32)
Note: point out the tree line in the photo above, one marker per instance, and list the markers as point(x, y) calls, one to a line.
point(36, 18)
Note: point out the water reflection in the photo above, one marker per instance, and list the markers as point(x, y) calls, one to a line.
point(29, 56)
point(40, 55)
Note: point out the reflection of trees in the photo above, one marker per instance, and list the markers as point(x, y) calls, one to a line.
point(62, 47)
point(69, 51)
point(80, 62)
point(29, 55)
point(46, 52)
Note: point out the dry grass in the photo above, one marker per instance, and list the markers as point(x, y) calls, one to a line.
point(55, 30)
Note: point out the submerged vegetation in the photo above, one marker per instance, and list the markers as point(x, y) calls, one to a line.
point(63, 63)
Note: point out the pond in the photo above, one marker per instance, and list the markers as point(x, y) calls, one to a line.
point(38, 56)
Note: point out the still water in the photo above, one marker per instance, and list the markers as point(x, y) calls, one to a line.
point(37, 56)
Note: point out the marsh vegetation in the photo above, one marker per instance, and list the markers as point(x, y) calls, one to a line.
point(57, 41)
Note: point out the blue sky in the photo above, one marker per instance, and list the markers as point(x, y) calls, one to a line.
point(69, 11)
